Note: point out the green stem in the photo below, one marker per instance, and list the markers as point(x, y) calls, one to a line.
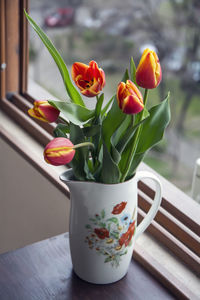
point(93, 156)
point(136, 140)
point(106, 106)
point(145, 97)
point(132, 120)
point(83, 144)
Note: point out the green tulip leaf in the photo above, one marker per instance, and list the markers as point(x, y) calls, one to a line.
point(152, 132)
point(135, 163)
point(72, 112)
point(122, 129)
point(127, 150)
point(97, 141)
point(115, 153)
point(61, 130)
point(126, 76)
point(72, 92)
point(127, 141)
point(91, 130)
point(104, 110)
point(79, 162)
point(133, 71)
point(112, 121)
point(99, 105)
point(130, 131)
point(110, 171)
point(110, 154)
point(154, 127)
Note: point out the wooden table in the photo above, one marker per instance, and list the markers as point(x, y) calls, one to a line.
point(43, 270)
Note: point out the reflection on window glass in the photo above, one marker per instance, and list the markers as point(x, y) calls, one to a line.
point(110, 32)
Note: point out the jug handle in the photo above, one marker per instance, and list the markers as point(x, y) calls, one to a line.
point(156, 202)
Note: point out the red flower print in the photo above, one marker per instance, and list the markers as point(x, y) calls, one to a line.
point(119, 208)
point(127, 236)
point(102, 233)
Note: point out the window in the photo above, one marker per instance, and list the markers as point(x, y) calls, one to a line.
point(110, 34)
point(176, 225)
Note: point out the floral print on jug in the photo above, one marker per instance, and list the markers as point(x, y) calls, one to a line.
point(111, 236)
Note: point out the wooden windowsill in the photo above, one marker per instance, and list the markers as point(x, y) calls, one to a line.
point(57, 268)
point(152, 246)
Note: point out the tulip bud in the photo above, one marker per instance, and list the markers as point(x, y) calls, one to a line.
point(59, 151)
point(129, 98)
point(149, 73)
point(44, 111)
point(89, 79)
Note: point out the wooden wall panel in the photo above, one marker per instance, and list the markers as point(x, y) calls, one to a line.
point(2, 50)
point(12, 45)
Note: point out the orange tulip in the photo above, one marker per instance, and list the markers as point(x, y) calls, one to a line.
point(44, 111)
point(149, 73)
point(59, 151)
point(89, 79)
point(129, 98)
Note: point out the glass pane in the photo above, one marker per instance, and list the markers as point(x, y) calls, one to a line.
point(110, 32)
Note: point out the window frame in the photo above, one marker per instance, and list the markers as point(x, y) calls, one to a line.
point(176, 225)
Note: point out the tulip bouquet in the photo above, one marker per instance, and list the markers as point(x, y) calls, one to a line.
point(107, 143)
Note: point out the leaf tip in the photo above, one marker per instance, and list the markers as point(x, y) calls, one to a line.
point(26, 14)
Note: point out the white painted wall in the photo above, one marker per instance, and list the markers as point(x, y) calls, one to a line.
point(31, 208)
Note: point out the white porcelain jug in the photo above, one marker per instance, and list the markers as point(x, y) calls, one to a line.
point(103, 226)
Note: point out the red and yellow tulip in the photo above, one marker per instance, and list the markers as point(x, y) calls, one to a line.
point(89, 79)
point(44, 111)
point(59, 151)
point(149, 73)
point(129, 98)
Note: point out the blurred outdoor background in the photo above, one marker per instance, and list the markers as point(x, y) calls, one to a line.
point(110, 32)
